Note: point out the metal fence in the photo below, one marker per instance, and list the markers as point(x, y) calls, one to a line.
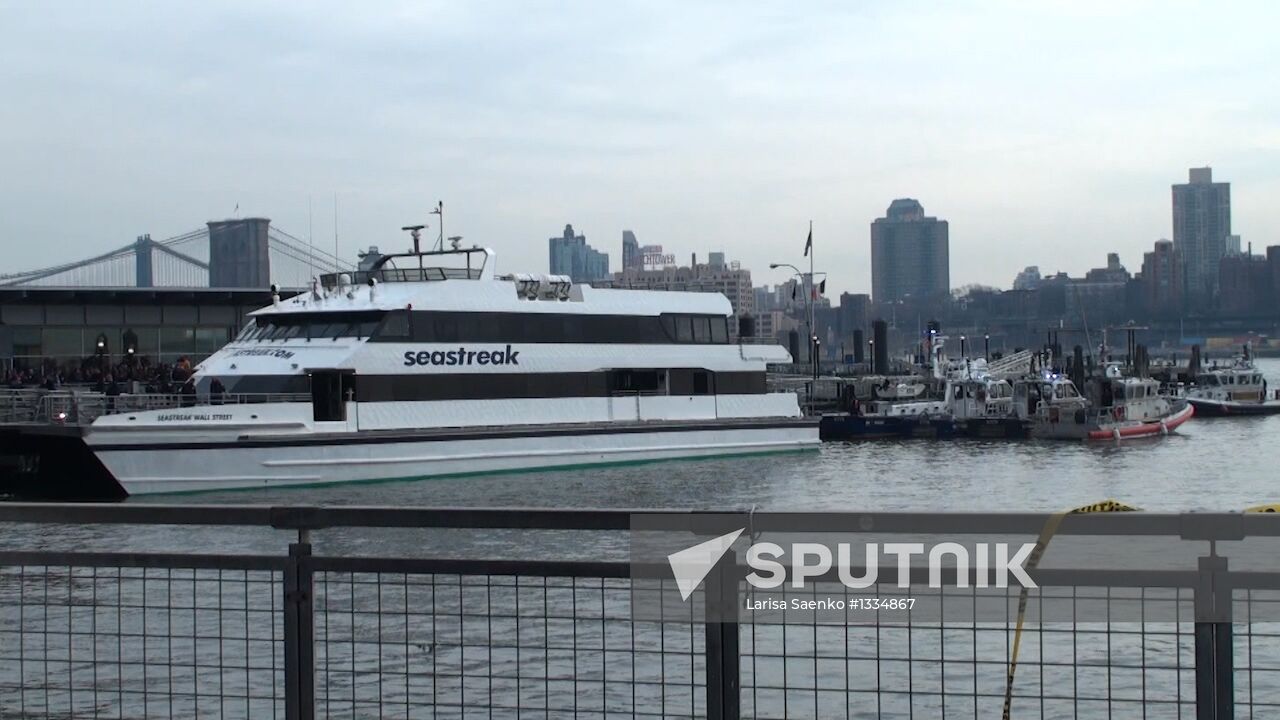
point(285, 631)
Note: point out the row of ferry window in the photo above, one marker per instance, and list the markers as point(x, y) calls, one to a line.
point(314, 326)
point(404, 326)
point(1208, 380)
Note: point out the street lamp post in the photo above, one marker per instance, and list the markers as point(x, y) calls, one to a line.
point(807, 282)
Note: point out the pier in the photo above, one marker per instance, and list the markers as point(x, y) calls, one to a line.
point(462, 612)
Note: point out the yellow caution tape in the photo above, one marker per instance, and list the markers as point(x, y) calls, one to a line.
point(1046, 534)
point(1274, 507)
point(1105, 506)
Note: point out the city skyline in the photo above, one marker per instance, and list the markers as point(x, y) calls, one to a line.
point(1041, 134)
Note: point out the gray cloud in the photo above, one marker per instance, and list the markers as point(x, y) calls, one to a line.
point(1045, 134)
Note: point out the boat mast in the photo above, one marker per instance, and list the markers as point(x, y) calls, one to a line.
point(440, 211)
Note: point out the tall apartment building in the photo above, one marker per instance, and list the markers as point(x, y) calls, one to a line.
point(855, 313)
point(1201, 228)
point(1162, 280)
point(909, 254)
point(1244, 282)
point(632, 258)
point(572, 256)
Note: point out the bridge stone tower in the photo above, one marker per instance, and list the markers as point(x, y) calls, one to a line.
point(238, 253)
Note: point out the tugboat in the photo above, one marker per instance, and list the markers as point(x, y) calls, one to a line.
point(1117, 407)
point(1235, 389)
point(978, 399)
point(892, 409)
point(982, 404)
point(967, 400)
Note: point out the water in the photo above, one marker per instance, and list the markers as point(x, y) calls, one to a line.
point(1222, 464)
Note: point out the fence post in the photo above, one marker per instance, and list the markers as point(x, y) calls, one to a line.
point(722, 652)
point(1215, 685)
point(299, 635)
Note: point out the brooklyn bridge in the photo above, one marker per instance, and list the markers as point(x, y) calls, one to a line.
point(240, 253)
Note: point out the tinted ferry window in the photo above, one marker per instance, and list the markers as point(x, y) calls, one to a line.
point(719, 330)
point(702, 329)
point(669, 326)
point(445, 328)
point(684, 329)
point(395, 325)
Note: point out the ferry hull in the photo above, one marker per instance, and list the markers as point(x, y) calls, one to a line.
point(381, 456)
point(1216, 408)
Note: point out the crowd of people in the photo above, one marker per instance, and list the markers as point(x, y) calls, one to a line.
point(97, 374)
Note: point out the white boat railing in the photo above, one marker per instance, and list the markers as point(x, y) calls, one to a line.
point(79, 407)
point(1015, 365)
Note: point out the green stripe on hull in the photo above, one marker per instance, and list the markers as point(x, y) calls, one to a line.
point(479, 473)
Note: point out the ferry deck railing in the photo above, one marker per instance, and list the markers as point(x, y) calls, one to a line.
point(357, 278)
point(469, 612)
point(79, 407)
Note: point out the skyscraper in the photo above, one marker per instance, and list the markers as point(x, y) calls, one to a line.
point(909, 254)
point(1201, 226)
point(1162, 276)
point(632, 259)
point(572, 256)
point(1244, 282)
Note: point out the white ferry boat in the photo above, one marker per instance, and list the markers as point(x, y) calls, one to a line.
point(429, 364)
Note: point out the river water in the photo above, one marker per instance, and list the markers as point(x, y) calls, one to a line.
point(1208, 464)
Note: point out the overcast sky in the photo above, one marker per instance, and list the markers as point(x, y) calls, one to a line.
point(1046, 133)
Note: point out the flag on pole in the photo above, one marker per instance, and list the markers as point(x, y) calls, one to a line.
point(822, 287)
point(793, 291)
point(808, 244)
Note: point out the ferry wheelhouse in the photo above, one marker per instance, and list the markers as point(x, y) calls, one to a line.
point(430, 364)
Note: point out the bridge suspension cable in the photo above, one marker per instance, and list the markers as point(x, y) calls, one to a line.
point(178, 261)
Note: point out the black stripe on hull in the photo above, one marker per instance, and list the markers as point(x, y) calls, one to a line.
point(375, 437)
point(1217, 409)
point(421, 386)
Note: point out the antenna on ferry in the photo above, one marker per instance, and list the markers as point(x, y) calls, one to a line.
point(415, 232)
point(440, 211)
point(455, 241)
